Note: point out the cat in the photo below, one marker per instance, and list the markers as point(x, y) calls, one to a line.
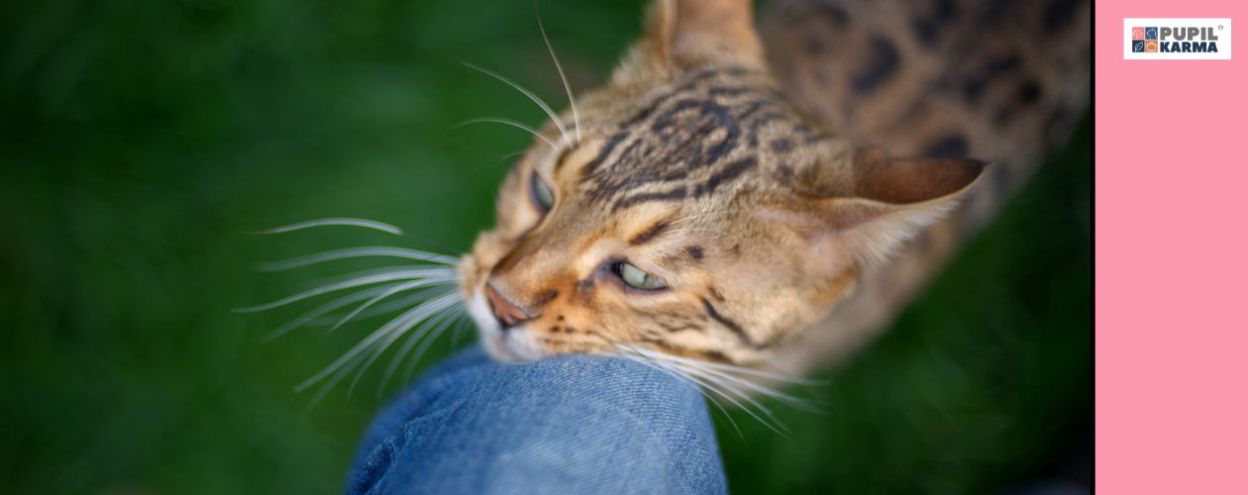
point(742, 211)
point(698, 206)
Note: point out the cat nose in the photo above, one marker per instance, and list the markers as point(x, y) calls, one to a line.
point(507, 313)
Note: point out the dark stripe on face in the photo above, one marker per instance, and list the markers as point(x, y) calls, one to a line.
point(545, 298)
point(676, 194)
point(562, 155)
point(695, 252)
point(649, 234)
point(727, 174)
point(727, 323)
point(604, 152)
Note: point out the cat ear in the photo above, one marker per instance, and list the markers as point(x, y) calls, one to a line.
point(884, 203)
point(686, 34)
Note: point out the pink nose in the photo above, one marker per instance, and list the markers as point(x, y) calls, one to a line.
point(507, 313)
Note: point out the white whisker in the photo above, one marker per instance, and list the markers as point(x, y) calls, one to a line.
point(545, 108)
point(325, 222)
point(722, 391)
point(399, 324)
point(738, 381)
point(509, 156)
point(421, 328)
point(770, 422)
point(513, 123)
point(741, 377)
point(428, 333)
point(715, 386)
point(428, 274)
point(737, 369)
point(457, 330)
point(576, 115)
point(428, 342)
point(310, 317)
point(686, 379)
point(357, 252)
point(724, 411)
point(390, 292)
point(446, 318)
point(381, 309)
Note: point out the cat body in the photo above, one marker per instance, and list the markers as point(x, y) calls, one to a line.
point(726, 200)
point(1001, 81)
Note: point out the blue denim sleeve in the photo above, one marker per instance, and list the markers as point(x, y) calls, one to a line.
point(572, 424)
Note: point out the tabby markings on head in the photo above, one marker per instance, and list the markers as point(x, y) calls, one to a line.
point(702, 134)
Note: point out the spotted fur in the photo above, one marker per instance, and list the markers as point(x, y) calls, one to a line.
point(766, 205)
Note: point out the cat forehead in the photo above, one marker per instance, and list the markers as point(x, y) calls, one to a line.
point(702, 136)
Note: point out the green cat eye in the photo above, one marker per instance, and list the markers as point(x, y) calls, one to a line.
point(542, 195)
point(637, 278)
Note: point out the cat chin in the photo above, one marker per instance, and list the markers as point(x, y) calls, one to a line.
point(517, 345)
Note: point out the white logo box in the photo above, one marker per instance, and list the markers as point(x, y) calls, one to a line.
point(1221, 27)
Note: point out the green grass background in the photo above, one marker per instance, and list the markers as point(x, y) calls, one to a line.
point(140, 138)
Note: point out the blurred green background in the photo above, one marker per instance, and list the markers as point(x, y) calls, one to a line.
point(141, 138)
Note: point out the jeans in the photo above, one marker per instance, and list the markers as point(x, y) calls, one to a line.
point(571, 424)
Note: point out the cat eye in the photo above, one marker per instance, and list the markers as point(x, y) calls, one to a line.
point(543, 197)
point(637, 278)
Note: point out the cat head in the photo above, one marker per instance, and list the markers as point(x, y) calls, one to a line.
point(686, 207)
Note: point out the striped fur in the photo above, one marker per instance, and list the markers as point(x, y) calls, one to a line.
point(766, 192)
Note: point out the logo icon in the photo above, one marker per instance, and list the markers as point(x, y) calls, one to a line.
point(1176, 39)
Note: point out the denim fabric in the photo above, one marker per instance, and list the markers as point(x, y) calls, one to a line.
point(572, 424)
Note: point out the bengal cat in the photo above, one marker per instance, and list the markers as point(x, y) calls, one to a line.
point(705, 208)
point(728, 206)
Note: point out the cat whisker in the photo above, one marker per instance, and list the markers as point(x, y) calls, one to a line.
point(724, 412)
point(410, 370)
point(381, 309)
point(766, 391)
point(357, 252)
point(727, 393)
point(513, 123)
point(715, 385)
point(443, 275)
point(427, 332)
point(312, 316)
point(354, 363)
point(693, 383)
point(771, 422)
point(576, 115)
point(425, 336)
point(337, 221)
point(379, 297)
point(422, 329)
point(724, 373)
point(509, 156)
point(399, 324)
point(457, 330)
point(731, 368)
point(563, 131)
